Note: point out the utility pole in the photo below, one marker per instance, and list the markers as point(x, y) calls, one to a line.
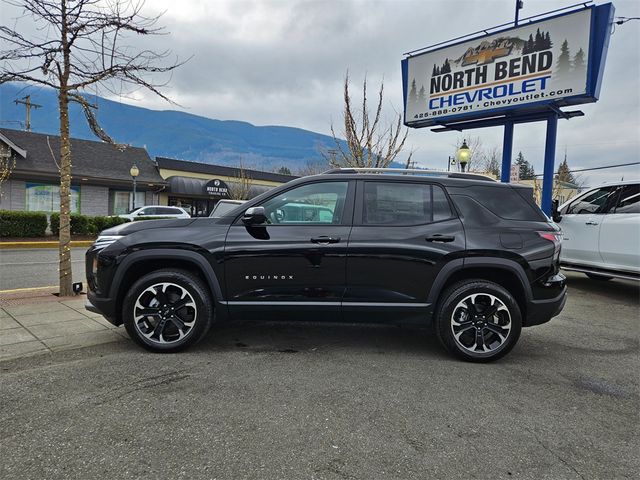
point(26, 101)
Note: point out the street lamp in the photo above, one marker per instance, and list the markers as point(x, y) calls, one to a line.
point(450, 161)
point(134, 174)
point(463, 154)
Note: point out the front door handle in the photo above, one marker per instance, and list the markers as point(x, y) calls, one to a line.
point(324, 240)
point(440, 238)
point(591, 222)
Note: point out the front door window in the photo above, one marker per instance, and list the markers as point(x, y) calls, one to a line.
point(317, 203)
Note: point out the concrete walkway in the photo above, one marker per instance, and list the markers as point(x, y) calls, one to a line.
point(43, 325)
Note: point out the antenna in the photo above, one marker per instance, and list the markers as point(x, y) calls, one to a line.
point(26, 101)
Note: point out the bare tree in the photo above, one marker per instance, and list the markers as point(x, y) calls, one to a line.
point(84, 46)
point(7, 164)
point(491, 161)
point(368, 142)
point(314, 167)
point(241, 189)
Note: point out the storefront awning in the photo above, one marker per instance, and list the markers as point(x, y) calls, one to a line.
point(198, 187)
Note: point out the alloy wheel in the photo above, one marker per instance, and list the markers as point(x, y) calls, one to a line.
point(165, 313)
point(481, 323)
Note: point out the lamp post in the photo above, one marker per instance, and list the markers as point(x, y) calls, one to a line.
point(463, 154)
point(450, 161)
point(134, 174)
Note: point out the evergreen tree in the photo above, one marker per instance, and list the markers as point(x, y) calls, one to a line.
point(284, 171)
point(421, 95)
point(539, 41)
point(547, 41)
point(564, 173)
point(527, 171)
point(578, 62)
point(435, 70)
point(413, 95)
point(446, 66)
point(563, 66)
point(528, 46)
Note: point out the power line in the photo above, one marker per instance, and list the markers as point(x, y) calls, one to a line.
point(597, 168)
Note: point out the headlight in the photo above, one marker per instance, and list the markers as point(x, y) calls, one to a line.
point(104, 241)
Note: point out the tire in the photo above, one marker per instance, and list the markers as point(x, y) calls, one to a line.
point(179, 306)
point(600, 278)
point(499, 331)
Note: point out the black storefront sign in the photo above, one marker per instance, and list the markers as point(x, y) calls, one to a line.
point(216, 189)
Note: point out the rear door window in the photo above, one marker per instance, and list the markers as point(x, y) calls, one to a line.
point(400, 203)
point(167, 211)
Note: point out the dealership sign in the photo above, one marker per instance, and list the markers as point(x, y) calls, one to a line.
point(557, 60)
point(216, 188)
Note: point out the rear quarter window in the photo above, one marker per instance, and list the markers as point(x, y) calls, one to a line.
point(508, 203)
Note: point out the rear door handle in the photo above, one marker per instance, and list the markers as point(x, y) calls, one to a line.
point(324, 240)
point(591, 222)
point(440, 238)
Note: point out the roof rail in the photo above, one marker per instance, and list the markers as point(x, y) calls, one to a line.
point(412, 171)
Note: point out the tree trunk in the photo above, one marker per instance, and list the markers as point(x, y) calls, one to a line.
point(65, 196)
point(66, 277)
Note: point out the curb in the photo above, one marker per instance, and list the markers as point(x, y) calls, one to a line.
point(53, 244)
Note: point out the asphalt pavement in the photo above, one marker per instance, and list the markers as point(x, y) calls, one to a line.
point(36, 267)
point(326, 401)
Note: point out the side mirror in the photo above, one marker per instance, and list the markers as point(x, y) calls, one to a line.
point(555, 212)
point(254, 216)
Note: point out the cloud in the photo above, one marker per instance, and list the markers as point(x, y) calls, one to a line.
point(283, 63)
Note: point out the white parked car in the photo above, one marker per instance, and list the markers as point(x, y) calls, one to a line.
point(601, 232)
point(156, 211)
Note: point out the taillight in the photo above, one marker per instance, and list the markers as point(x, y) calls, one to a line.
point(555, 237)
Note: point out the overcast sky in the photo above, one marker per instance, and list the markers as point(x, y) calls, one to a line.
point(283, 63)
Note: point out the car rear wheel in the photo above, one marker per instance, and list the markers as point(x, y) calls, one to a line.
point(478, 320)
point(167, 310)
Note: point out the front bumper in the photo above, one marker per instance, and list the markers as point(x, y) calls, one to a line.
point(541, 311)
point(103, 306)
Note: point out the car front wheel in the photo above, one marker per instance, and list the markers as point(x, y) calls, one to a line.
point(168, 310)
point(478, 320)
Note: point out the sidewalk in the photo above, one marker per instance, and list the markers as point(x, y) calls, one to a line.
point(35, 321)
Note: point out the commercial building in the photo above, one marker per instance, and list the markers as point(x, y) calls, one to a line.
point(562, 191)
point(101, 182)
point(197, 187)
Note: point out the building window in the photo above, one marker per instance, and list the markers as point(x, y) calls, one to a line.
point(46, 198)
point(122, 202)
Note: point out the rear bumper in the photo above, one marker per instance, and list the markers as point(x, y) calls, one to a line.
point(541, 311)
point(103, 306)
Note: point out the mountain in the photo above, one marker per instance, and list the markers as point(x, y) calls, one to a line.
point(169, 133)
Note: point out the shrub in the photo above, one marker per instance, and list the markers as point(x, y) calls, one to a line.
point(22, 224)
point(85, 224)
point(102, 222)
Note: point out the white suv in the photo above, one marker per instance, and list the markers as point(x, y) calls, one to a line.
point(601, 232)
point(156, 211)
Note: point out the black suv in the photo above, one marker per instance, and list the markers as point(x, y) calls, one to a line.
point(473, 258)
